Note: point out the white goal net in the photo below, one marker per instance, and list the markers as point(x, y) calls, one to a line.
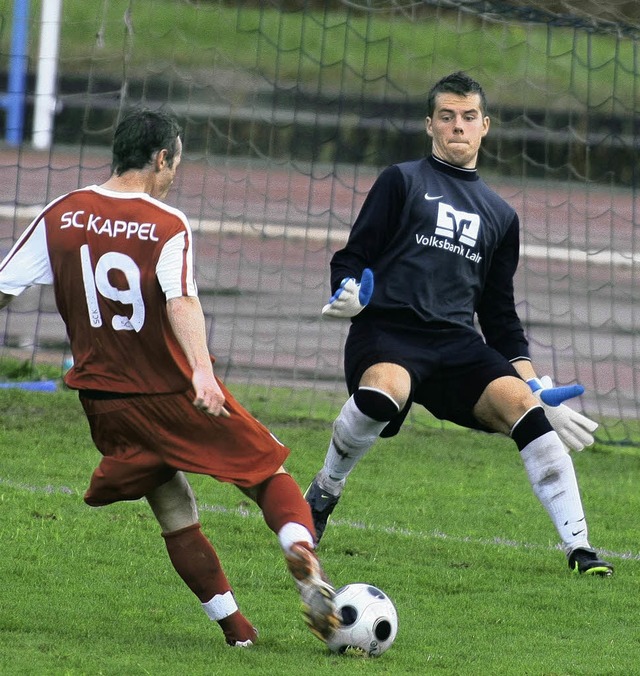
point(289, 111)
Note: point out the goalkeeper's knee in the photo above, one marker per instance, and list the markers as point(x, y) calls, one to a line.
point(362, 418)
point(375, 403)
point(530, 426)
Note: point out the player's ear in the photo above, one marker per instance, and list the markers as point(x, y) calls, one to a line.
point(428, 126)
point(486, 123)
point(160, 159)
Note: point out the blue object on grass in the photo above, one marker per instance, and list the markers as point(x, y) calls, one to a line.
point(34, 385)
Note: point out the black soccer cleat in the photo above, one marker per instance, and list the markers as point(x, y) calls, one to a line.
point(586, 562)
point(322, 504)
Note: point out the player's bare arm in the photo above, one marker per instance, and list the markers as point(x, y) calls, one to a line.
point(525, 369)
point(187, 321)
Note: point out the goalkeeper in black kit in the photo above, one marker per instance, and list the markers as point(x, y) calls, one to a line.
point(432, 249)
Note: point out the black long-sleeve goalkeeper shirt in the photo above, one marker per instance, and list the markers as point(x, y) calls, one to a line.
point(443, 248)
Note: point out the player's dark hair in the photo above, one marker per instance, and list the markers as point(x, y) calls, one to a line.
point(457, 83)
point(139, 135)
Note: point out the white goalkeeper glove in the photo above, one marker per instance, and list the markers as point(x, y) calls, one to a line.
point(574, 429)
point(351, 297)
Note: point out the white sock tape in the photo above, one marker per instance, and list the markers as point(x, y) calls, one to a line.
point(293, 532)
point(220, 606)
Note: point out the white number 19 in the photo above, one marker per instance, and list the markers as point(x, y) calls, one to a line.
point(98, 282)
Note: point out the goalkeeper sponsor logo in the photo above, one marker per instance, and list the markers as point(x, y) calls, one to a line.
point(456, 231)
point(108, 227)
point(440, 243)
point(460, 226)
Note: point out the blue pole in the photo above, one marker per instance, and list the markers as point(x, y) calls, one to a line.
point(18, 67)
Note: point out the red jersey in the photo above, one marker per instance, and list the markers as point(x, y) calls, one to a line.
point(114, 260)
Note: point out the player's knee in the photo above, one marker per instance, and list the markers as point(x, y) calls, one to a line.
point(173, 504)
point(504, 400)
point(532, 425)
point(376, 403)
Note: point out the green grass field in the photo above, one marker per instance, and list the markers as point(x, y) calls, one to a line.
point(444, 521)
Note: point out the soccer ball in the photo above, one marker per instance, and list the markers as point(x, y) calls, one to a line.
point(368, 620)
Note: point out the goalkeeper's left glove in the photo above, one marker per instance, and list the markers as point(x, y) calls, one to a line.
point(574, 429)
point(351, 297)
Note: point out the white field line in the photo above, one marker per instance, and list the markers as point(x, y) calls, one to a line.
point(319, 234)
point(244, 513)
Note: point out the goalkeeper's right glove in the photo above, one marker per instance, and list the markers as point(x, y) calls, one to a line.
point(574, 429)
point(351, 297)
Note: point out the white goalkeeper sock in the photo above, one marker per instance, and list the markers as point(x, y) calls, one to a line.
point(552, 476)
point(353, 435)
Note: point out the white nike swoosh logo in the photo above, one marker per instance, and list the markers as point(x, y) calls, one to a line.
point(428, 197)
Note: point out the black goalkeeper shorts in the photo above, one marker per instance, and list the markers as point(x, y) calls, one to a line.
point(449, 367)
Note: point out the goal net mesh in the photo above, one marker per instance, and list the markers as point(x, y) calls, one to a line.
point(291, 109)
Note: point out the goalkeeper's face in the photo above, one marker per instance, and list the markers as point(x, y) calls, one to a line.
point(457, 128)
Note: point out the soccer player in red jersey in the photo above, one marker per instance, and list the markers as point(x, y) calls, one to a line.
point(121, 264)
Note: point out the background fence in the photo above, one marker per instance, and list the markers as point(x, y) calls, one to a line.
point(289, 112)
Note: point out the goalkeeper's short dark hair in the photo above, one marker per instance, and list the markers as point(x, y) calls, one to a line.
point(457, 83)
point(139, 135)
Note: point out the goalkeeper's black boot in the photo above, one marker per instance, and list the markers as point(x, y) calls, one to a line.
point(322, 503)
point(586, 562)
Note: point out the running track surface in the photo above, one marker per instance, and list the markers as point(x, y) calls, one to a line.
point(265, 234)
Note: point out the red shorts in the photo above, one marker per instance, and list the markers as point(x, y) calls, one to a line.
point(145, 439)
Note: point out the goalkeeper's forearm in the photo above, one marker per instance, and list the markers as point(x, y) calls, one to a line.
point(525, 369)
